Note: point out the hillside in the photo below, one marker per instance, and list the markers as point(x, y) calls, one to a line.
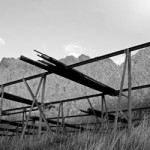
point(140, 76)
point(57, 88)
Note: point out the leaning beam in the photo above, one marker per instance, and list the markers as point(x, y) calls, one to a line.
point(16, 98)
point(73, 75)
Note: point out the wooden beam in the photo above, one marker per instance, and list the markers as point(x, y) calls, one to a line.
point(58, 117)
point(129, 91)
point(1, 104)
point(42, 105)
point(120, 93)
point(110, 55)
point(73, 75)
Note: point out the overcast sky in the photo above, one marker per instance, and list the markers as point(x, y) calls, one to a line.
point(72, 27)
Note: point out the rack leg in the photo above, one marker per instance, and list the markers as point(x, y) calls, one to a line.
point(42, 106)
point(120, 93)
point(1, 103)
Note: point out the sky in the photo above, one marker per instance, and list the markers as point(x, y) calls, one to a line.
point(60, 28)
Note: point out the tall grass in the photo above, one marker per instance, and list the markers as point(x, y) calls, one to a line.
point(138, 139)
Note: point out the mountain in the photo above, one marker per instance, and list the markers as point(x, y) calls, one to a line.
point(140, 73)
point(59, 88)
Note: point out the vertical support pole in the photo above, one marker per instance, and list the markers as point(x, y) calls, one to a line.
point(1, 104)
point(120, 93)
point(57, 128)
point(42, 106)
point(129, 91)
point(23, 116)
point(63, 119)
point(34, 130)
point(102, 110)
point(106, 110)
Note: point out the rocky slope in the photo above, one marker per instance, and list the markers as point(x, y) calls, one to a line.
point(140, 75)
point(57, 88)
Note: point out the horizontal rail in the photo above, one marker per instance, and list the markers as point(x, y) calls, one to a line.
point(110, 55)
point(16, 98)
point(68, 100)
point(50, 103)
point(27, 78)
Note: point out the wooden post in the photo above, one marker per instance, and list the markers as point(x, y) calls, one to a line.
point(120, 93)
point(63, 118)
point(23, 117)
point(42, 106)
point(34, 100)
point(129, 91)
point(57, 128)
point(106, 110)
point(34, 130)
point(1, 104)
point(102, 111)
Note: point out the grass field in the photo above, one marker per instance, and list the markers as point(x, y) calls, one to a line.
point(138, 139)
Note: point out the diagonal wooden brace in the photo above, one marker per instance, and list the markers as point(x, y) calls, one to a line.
point(33, 103)
point(93, 110)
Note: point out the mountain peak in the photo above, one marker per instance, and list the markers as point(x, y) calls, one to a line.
point(6, 62)
point(83, 57)
point(68, 60)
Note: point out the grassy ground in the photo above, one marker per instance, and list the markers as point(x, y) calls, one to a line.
point(138, 139)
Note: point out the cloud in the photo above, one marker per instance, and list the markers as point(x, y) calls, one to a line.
point(2, 42)
point(118, 59)
point(74, 50)
point(121, 58)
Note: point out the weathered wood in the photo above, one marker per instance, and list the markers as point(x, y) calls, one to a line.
point(1, 104)
point(73, 75)
point(42, 106)
point(106, 110)
point(73, 99)
point(63, 118)
point(58, 117)
point(110, 55)
point(16, 98)
point(120, 93)
point(129, 91)
point(102, 110)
